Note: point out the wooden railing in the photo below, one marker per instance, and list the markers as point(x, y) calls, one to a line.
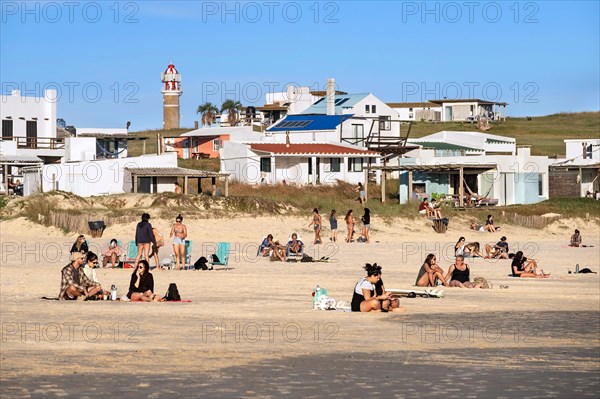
point(48, 143)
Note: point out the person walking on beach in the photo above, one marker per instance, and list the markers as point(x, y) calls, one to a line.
point(179, 234)
point(317, 224)
point(349, 219)
point(333, 225)
point(362, 195)
point(144, 238)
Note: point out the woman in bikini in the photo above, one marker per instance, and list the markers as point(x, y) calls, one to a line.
point(317, 223)
point(349, 225)
point(179, 233)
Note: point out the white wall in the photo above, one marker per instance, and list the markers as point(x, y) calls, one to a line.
point(80, 149)
point(574, 148)
point(28, 108)
point(101, 177)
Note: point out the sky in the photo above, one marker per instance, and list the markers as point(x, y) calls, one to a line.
point(104, 58)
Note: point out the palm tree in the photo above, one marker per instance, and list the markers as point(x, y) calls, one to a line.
point(209, 113)
point(232, 107)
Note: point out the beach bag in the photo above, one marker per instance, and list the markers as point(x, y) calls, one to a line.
point(172, 293)
point(306, 258)
point(484, 283)
point(215, 258)
point(201, 264)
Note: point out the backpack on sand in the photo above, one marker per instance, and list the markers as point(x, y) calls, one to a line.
point(172, 293)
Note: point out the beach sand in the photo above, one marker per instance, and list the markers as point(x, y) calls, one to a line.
point(251, 331)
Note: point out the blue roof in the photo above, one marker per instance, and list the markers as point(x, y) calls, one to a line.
point(298, 123)
point(342, 101)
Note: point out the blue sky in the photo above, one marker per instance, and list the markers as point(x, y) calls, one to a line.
point(106, 57)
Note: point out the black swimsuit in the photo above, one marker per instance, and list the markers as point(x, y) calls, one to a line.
point(358, 298)
point(460, 275)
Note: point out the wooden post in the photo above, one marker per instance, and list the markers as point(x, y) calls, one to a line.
point(383, 178)
point(214, 186)
point(226, 186)
point(135, 184)
point(53, 181)
point(144, 147)
point(199, 185)
point(461, 189)
point(185, 184)
point(366, 184)
point(580, 182)
point(410, 185)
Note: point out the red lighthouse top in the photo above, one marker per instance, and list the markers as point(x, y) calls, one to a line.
point(171, 78)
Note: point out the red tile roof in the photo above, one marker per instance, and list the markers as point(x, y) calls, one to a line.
point(310, 148)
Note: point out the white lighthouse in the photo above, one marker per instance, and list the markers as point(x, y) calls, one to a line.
point(171, 91)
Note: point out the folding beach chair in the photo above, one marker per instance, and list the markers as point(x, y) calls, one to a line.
point(188, 255)
point(288, 251)
point(222, 255)
point(132, 252)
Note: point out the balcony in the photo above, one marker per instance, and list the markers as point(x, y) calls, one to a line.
point(37, 143)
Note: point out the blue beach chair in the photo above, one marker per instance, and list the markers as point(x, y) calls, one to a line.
point(221, 257)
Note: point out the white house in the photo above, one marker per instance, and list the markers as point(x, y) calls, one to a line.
point(31, 123)
point(98, 177)
point(579, 174)
point(297, 163)
point(489, 166)
point(418, 111)
point(470, 143)
point(470, 109)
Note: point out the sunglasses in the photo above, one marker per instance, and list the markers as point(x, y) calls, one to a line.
point(95, 263)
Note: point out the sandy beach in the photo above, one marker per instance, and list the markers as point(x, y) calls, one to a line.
point(251, 331)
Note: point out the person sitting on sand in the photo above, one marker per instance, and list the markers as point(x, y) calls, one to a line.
point(277, 251)
point(363, 297)
point(458, 274)
point(471, 249)
point(265, 246)
point(112, 253)
point(523, 267)
point(424, 207)
point(429, 273)
point(498, 251)
point(477, 227)
point(317, 222)
point(489, 225)
point(434, 210)
point(294, 246)
point(390, 304)
point(141, 285)
point(74, 283)
point(80, 245)
point(576, 239)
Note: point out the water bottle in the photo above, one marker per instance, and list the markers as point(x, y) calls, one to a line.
point(113, 292)
point(577, 268)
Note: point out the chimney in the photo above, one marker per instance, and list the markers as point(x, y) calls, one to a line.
point(330, 96)
point(196, 125)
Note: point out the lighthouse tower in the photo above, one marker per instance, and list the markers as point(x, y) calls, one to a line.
point(171, 91)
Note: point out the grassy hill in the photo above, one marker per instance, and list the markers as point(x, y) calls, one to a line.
point(545, 134)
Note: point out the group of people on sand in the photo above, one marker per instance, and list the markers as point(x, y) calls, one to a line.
point(488, 226)
point(79, 277)
point(430, 209)
point(316, 222)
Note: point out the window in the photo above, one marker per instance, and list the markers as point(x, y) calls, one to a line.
point(410, 113)
point(384, 122)
point(367, 108)
point(358, 133)
point(373, 109)
point(265, 165)
point(355, 165)
point(335, 164)
point(216, 144)
point(540, 184)
point(7, 128)
point(588, 151)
